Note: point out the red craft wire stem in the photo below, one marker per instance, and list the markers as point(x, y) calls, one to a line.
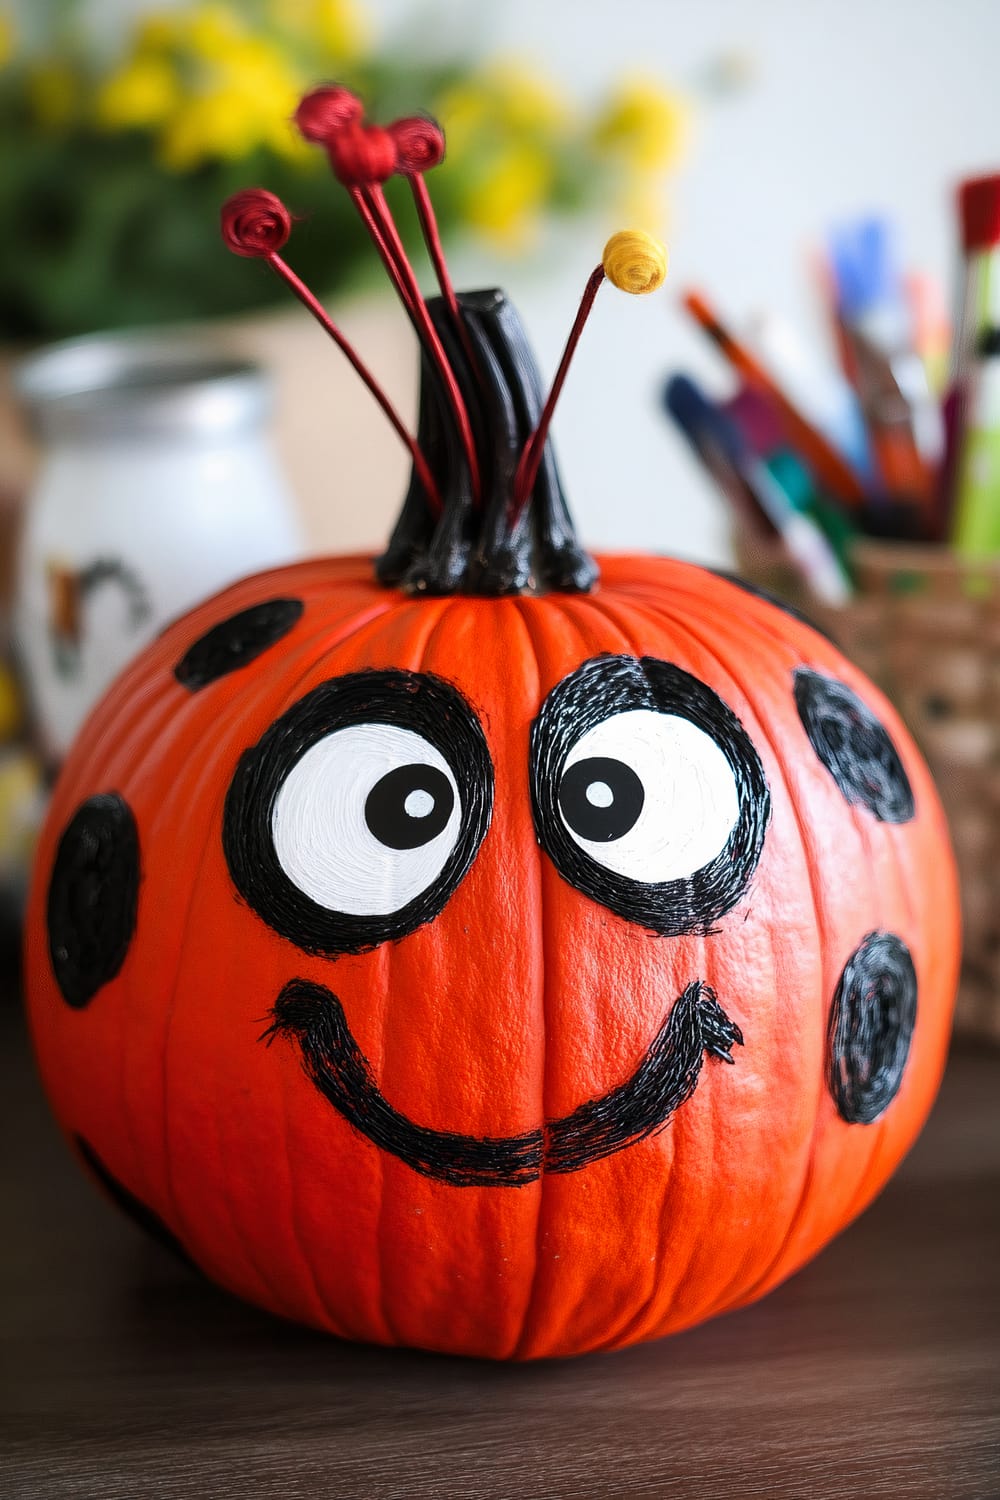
point(531, 457)
point(375, 231)
point(426, 331)
point(305, 296)
point(378, 220)
point(432, 239)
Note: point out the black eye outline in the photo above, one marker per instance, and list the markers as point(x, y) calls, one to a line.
point(598, 690)
point(418, 701)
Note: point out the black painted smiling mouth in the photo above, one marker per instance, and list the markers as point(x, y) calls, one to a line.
point(667, 1076)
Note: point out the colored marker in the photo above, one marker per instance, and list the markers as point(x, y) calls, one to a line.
point(877, 346)
point(832, 471)
point(970, 408)
point(686, 404)
point(763, 434)
point(977, 514)
point(711, 431)
point(818, 391)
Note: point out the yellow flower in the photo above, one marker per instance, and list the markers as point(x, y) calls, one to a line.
point(505, 201)
point(6, 38)
point(338, 27)
point(211, 31)
point(641, 201)
point(342, 28)
point(157, 31)
point(143, 93)
point(208, 127)
point(256, 64)
point(463, 111)
point(642, 124)
point(245, 100)
point(53, 93)
point(203, 31)
point(506, 98)
point(524, 99)
point(10, 704)
point(21, 805)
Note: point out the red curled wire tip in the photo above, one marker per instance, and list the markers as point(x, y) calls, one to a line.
point(362, 155)
point(324, 111)
point(419, 144)
point(255, 223)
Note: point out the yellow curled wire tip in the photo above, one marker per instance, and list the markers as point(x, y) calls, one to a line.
point(634, 262)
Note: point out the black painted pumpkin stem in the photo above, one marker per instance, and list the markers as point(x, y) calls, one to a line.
point(485, 512)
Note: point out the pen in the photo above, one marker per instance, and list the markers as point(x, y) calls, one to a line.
point(753, 416)
point(877, 348)
point(977, 513)
point(711, 430)
point(685, 403)
point(832, 471)
point(820, 392)
point(971, 481)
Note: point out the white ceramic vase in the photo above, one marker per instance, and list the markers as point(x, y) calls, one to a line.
point(157, 486)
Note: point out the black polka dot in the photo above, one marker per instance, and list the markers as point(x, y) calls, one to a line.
point(871, 1023)
point(854, 747)
point(236, 642)
point(140, 1213)
point(93, 896)
point(758, 593)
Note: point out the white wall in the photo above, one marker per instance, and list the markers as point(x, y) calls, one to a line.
point(856, 105)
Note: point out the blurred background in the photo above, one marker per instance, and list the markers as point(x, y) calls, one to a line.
point(803, 164)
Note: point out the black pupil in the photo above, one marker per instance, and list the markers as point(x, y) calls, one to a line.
point(601, 799)
point(409, 806)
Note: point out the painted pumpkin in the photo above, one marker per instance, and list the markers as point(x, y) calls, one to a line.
point(492, 950)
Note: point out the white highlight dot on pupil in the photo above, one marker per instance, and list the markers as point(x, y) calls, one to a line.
point(599, 794)
point(418, 804)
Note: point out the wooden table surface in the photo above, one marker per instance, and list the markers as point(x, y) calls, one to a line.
point(874, 1372)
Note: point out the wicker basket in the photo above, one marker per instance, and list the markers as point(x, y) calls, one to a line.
point(926, 627)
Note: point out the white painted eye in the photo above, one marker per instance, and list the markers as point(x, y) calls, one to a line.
point(648, 795)
point(366, 819)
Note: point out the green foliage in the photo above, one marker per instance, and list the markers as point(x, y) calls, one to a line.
point(112, 172)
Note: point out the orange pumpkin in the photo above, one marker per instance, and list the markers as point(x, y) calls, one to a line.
point(485, 957)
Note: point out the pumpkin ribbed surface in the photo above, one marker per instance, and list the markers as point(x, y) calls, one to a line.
point(517, 1002)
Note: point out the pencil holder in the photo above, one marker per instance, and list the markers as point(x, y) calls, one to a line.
point(925, 625)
